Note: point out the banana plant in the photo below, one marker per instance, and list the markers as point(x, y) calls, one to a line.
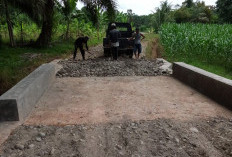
point(68, 10)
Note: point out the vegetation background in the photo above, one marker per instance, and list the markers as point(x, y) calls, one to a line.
point(34, 32)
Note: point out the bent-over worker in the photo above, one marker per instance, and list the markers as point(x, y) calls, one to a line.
point(79, 44)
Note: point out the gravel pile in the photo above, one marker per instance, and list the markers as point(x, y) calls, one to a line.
point(102, 67)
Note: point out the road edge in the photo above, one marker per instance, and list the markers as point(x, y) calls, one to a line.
point(17, 103)
point(215, 87)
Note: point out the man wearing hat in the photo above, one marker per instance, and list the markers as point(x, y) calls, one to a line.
point(114, 35)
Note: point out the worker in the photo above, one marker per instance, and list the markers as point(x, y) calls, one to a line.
point(79, 44)
point(114, 36)
point(137, 46)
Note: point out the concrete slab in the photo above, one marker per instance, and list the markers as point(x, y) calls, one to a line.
point(209, 84)
point(18, 102)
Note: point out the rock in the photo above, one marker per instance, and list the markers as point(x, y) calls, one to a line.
point(119, 127)
point(194, 145)
point(122, 153)
point(193, 129)
point(38, 139)
point(31, 146)
point(19, 146)
point(41, 134)
point(118, 147)
point(52, 152)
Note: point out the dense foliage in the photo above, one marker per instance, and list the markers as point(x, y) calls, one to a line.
point(45, 14)
point(224, 9)
point(207, 43)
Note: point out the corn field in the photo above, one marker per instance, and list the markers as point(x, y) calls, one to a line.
point(211, 43)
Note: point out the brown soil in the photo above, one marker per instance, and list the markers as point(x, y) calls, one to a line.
point(114, 99)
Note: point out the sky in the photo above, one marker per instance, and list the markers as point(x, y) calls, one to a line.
point(145, 7)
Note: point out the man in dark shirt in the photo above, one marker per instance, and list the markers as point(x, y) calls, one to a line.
point(79, 44)
point(114, 35)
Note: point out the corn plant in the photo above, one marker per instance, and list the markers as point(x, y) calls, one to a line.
point(210, 43)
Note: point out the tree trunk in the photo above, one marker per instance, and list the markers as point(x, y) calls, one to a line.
point(22, 32)
point(46, 32)
point(78, 29)
point(9, 24)
point(98, 30)
point(67, 31)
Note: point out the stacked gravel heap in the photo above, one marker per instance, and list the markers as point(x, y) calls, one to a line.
point(102, 67)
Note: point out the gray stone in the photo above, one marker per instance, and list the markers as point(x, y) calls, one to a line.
point(38, 139)
point(41, 134)
point(118, 147)
point(177, 140)
point(31, 146)
point(52, 152)
point(193, 129)
point(19, 146)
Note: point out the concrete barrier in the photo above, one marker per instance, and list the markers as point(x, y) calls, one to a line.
point(216, 87)
point(18, 102)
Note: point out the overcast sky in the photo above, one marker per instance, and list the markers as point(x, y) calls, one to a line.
point(145, 7)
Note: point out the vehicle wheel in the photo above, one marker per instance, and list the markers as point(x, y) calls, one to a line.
point(106, 52)
point(131, 54)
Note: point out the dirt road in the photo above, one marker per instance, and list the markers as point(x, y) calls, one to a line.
point(127, 115)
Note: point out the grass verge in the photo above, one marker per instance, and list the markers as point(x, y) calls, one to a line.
point(197, 61)
point(17, 63)
point(220, 70)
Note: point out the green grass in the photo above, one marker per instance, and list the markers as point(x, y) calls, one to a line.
point(14, 67)
point(210, 67)
point(150, 39)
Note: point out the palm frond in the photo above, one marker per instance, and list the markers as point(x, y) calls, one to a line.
point(109, 5)
point(33, 8)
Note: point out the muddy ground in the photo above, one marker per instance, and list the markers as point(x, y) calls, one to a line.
point(160, 137)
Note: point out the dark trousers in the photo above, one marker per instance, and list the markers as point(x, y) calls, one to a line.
point(82, 51)
point(114, 52)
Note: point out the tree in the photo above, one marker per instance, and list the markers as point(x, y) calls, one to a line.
point(197, 13)
point(9, 23)
point(129, 14)
point(40, 11)
point(188, 3)
point(95, 9)
point(46, 32)
point(162, 15)
point(224, 10)
point(121, 17)
point(68, 11)
point(182, 15)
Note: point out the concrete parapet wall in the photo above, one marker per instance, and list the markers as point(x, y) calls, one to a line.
point(216, 87)
point(18, 102)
